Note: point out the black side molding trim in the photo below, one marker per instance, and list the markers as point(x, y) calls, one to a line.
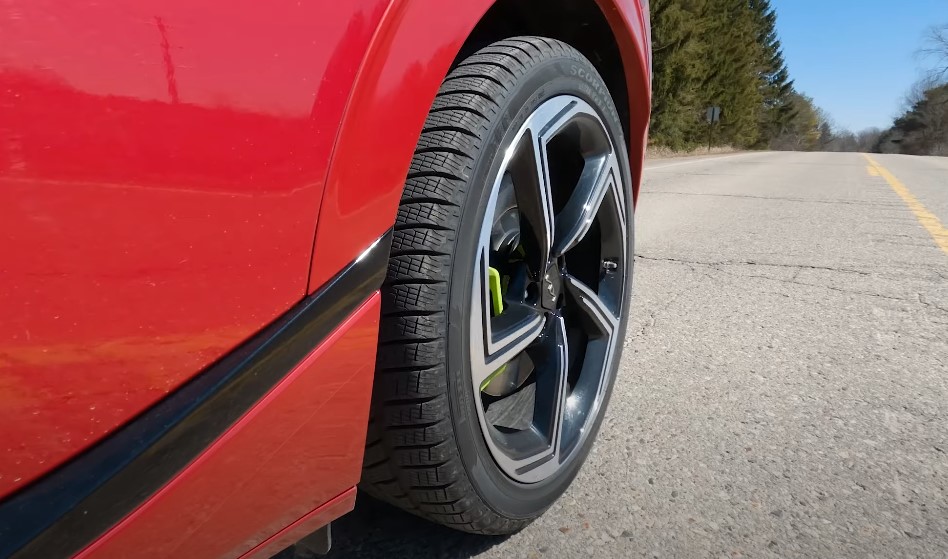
point(69, 508)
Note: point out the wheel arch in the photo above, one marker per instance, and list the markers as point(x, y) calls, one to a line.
point(411, 52)
point(610, 33)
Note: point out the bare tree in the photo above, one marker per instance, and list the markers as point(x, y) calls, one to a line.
point(845, 140)
point(867, 139)
point(916, 92)
point(826, 128)
point(936, 49)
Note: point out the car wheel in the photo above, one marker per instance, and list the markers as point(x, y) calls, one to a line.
point(503, 311)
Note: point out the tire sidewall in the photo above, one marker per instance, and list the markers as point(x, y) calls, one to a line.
point(554, 76)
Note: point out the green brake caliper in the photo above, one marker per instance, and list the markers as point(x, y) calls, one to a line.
point(496, 295)
point(497, 304)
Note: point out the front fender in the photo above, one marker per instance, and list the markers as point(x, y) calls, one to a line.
point(409, 56)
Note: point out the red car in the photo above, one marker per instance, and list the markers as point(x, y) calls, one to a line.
point(254, 255)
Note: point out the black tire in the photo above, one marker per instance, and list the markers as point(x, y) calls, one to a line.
point(424, 451)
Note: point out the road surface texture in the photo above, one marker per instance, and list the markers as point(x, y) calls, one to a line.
point(784, 386)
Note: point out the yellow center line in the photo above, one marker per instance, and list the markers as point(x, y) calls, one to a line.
point(928, 220)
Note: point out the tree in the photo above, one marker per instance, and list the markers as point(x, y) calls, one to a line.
point(802, 133)
point(867, 139)
point(722, 53)
point(826, 136)
point(733, 80)
point(826, 126)
point(776, 86)
point(923, 128)
point(936, 48)
point(678, 49)
point(916, 92)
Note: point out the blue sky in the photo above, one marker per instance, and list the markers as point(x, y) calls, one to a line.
point(856, 58)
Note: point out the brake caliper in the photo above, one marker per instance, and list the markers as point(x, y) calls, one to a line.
point(496, 293)
point(497, 304)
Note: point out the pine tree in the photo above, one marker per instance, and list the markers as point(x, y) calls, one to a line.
point(732, 81)
point(776, 85)
point(678, 49)
point(719, 53)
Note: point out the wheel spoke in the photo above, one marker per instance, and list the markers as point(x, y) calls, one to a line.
point(530, 169)
point(497, 340)
point(572, 224)
point(532, 188)
point(605, 319)
point(550, 356)
point(485, 363)
point(556, 366)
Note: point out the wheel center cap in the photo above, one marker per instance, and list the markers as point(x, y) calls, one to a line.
point(551, 287)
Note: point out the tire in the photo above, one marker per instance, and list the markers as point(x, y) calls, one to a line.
point(427, 449)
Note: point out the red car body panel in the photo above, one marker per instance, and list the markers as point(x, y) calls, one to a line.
point(174, 176)
point(161, 168)
point(305, 526)
point(298, 448)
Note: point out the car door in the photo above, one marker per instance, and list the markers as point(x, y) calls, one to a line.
point(161, 169)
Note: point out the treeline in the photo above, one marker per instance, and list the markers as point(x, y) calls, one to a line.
point(922, 128)
point(725, 53)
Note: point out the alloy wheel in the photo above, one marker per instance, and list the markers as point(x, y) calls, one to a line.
point(548, 289)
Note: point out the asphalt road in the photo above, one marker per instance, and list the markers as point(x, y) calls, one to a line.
point(784, 385)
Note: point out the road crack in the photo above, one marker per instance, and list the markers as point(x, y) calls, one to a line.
point(798, 267)
point(921, 299)
point(718, 266)
point(652, 317)
point(779, 198)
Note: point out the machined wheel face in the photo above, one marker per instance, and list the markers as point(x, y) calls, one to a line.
point(547, 290)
